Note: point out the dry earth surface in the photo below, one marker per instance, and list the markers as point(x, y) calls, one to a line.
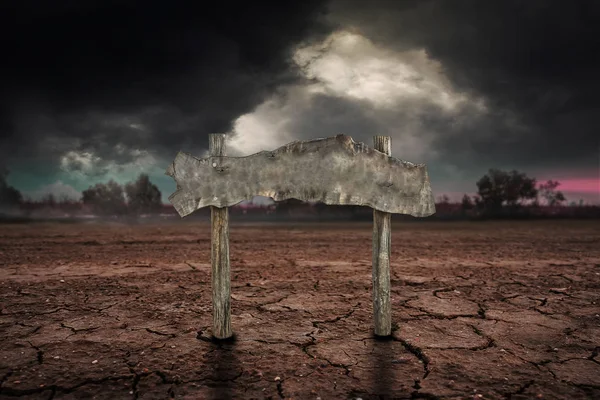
point(484, 310)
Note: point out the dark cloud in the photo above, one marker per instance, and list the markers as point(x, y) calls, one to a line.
point(535, 62)
point(73, 72)
point(414, 128)
point(158, 76)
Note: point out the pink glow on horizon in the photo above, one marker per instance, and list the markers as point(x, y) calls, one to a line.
point(579, 185)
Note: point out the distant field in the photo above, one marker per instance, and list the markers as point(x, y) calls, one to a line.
point(497, 309)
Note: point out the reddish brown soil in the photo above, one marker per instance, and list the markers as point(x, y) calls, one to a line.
point(485, 310)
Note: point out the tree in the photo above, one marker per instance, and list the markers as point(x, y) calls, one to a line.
point(444, 199)
point(9, 196)
point(105, 198)
point(285, 207)
point(498, 188)
point(143, 196)
point(550, 194)
point(49, 200)
point(467, 203)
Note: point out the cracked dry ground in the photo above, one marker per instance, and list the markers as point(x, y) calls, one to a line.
point(488, 310)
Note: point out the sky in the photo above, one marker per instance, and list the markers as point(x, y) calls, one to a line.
point(99, 90)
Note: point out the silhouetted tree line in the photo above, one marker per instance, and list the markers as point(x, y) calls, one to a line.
point(510, 193)
point(499, 194)
point(137, 197)
point(9, 196)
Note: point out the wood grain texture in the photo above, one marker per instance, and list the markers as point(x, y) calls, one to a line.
point(382, 310)
point(334, 170)
point(221, 271)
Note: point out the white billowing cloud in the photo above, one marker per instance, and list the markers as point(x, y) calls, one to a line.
point(357, 88)
point(83, 166)
point(266, 128)
point(79, 161)
point(348, 64)
point(392, 92)
point(58, 189)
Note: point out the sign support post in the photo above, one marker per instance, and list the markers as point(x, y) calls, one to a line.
point(382, 310)
point(335, 170)
point(219, 253)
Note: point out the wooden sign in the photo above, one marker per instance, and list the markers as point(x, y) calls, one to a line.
point(334, 170)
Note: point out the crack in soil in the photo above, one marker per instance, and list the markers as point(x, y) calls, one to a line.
point(191, 266)
point(562, 292)
point(520, 390)
point(561, 275)
point(2, 312)
point(423, 395)
point(594, 354)
point(76, 330)
point(261, 307)
point(35, 329)
point(40, 353)
point(481, 311)
point(134, 383)
point(346, 367)
point(417, 352)
point(417, 384)
point(171, 335)
point(336, 319)
point(588, 389)
point(166, 380)
point(255, 316)
point(295, 309)
point(546, 313)
point(102, 308)
point(491, 342)
point(304, 346)
point(54, 388)
point(280, 389)
point(443, 290)
point(5, 377)
point(434, 315)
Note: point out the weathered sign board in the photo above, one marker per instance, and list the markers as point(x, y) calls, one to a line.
point(333, 170)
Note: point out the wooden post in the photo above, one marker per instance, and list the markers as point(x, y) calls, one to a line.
point(382, 310)
point(386, 184)
point(221, 275)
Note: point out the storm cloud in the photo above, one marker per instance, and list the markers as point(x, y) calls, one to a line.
point(97, 88)
point(533, 62)
point(89, 76)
